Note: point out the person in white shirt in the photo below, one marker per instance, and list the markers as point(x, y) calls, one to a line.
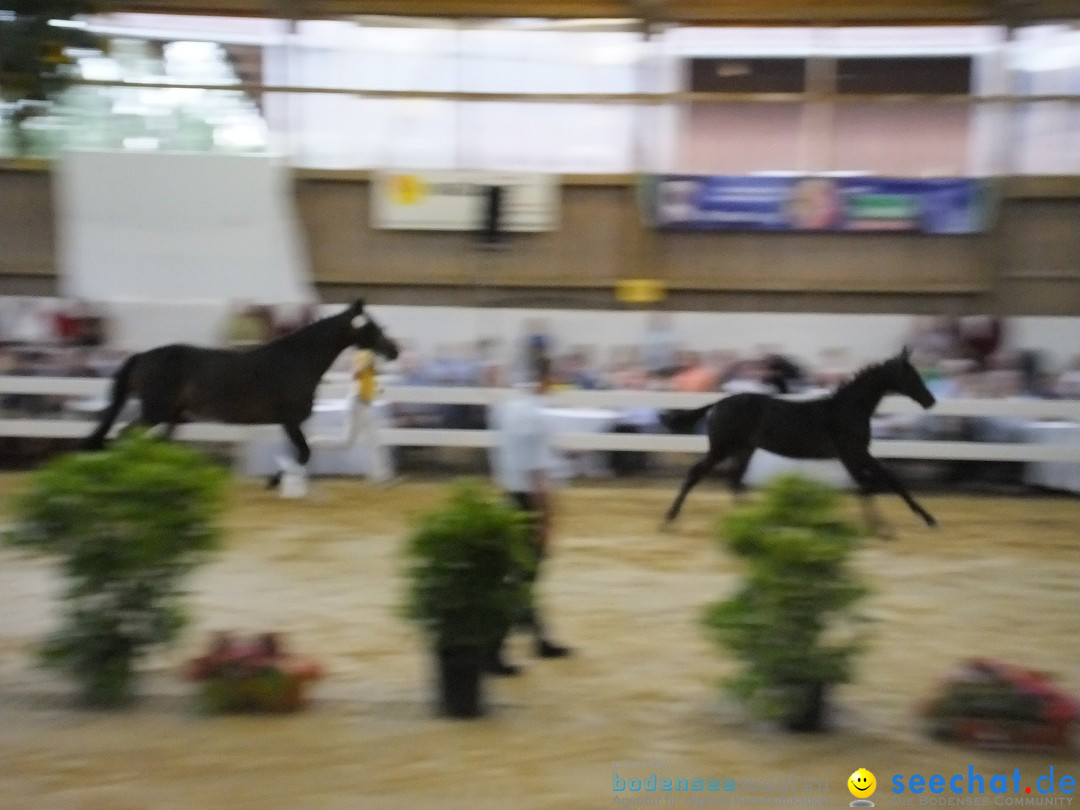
point(524, 465)
point(366, 420)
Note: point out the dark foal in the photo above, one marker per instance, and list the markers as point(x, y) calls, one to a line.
point(836, 426)
point(270, 384)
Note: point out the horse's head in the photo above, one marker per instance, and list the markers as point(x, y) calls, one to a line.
point(906, 380)
point(367, 334)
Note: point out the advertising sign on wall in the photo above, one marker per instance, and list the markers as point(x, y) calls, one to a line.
point(456, 200)
point(818, 203)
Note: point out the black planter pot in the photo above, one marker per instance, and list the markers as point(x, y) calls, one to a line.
point(460, 680)
point(808, 708)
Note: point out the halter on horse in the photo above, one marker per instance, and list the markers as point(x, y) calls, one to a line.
point(273, 383)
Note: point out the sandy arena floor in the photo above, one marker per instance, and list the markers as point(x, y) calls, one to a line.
point(1001, 577)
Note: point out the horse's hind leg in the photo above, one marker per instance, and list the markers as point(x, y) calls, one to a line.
point(740, 461)
point(697, 472)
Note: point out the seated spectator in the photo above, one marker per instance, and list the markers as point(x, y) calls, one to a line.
point(938, 336)
point(781, 372)
point(834, 368)
point(634, 420)
point(695, 374)
point(66, 324)
point(32, 324)
point(660, 345)
point(576, 371)
point(289, 318)
point(1003, 383)
point(536, 342)
point(1067, 385)
point(491, 372)
point(248, 325)
point(93, 327)
point(623, 369)
point(980, 337)
point(413, 371)
point(1035, 381)
point(749, 376)
point(958, 379)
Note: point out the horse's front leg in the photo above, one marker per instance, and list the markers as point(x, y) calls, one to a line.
point(875, 470)
point(864, 481)
point(296, 436)
point(882, 472)
point(301, 448)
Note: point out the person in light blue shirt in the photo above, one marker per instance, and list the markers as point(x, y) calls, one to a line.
point(525, 465)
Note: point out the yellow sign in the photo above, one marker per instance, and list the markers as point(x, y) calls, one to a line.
point(408, 189)
point(640, 290)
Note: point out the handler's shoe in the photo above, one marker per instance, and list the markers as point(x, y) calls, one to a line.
point(547, 649)
point(500, 667)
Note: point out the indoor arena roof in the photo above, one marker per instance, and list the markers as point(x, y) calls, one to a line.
point(715, 12)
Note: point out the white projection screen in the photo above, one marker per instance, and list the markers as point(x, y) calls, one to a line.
point(163, 227)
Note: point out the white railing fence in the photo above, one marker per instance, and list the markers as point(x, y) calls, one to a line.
point(73, 425)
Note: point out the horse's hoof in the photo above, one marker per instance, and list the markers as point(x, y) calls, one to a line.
point(273, 481)
point(930, 521)
point(883, 533)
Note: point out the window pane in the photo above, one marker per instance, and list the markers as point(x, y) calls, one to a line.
point(910, 74)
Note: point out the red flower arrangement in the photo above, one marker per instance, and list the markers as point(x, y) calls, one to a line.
point(994, 704)
point(251, 676)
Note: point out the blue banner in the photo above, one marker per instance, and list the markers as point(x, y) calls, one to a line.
point(817, 203)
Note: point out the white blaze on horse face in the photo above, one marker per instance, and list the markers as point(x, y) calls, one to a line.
point(359, 321)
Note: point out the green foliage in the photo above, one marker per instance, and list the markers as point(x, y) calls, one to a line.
point(469, 566)
point(128, 523)
point(793, 621)
point(269, 690)
point(32, 60)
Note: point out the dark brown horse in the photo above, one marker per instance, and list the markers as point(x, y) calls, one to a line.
point(270, 384)
point(835, 426)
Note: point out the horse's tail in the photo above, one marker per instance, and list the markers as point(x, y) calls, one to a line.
point(120, 389)
point(684, 421)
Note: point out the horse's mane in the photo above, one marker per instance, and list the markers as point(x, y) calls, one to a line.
point(864, 373)
point(307, 332)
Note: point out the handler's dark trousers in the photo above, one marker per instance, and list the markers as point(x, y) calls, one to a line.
point(530, 618)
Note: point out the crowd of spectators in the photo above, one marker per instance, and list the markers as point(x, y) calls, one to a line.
point(968, 357)
point(67, 339)
point(959, 357)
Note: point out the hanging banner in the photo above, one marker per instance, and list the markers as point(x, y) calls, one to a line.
point(817, 203)
point(456, 200)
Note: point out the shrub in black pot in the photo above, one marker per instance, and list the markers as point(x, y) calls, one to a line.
point(793, 622)
point(467, 575)
point(128, 524)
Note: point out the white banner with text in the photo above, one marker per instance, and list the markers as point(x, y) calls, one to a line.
point(460, 200)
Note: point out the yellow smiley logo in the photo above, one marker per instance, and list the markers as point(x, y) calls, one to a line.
point(862, 784)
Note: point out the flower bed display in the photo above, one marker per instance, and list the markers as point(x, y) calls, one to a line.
point(993, 704)
point(255, 676)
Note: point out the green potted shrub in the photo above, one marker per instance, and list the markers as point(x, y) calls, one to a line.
point(467, 576)
point(793, 622)
point(128, 524)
